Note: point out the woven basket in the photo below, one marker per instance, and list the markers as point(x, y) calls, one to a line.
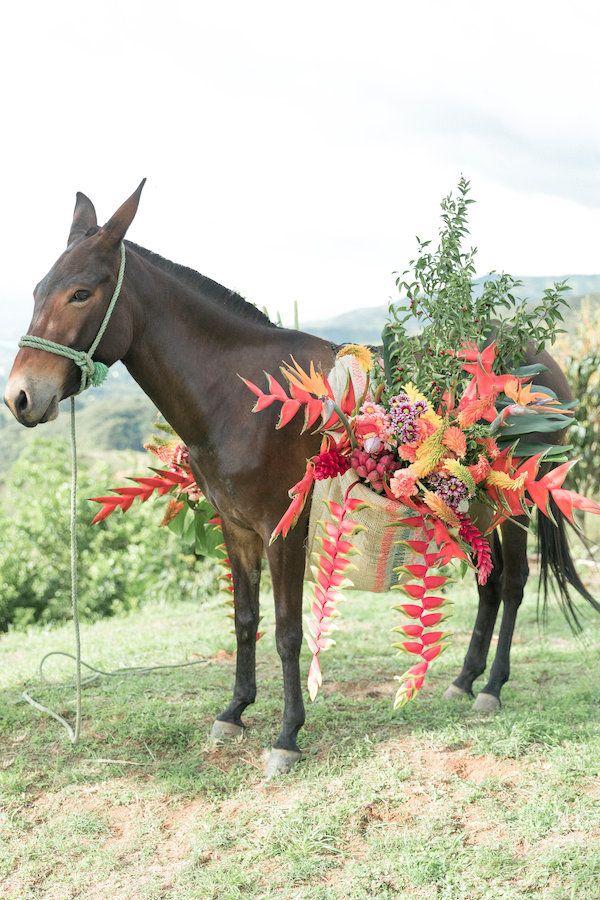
point(379, 552)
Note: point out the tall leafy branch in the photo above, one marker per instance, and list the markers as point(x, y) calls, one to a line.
point(438, 296)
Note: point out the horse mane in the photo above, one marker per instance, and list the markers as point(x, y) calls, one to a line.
point(205, 285)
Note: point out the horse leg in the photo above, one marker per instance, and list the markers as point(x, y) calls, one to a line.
point(287, 560)
point(514, 578)
point(479, 645)
point(245, 549)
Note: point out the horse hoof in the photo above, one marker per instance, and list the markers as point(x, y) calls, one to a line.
point(280, 762)
point(486, 704)
point(453, 692)
point(226, 731)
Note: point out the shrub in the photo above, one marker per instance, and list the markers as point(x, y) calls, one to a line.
point(121, 563)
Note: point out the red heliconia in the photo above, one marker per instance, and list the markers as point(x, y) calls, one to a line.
point(329, 573)
point(164, 481)
point(424, 639)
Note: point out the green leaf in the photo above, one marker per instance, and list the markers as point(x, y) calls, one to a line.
point(515, 426)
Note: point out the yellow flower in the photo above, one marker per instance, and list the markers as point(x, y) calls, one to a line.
point(503, 481)
point(362, 354)
point(414, 394)
point(428, 454)
point(440, 509)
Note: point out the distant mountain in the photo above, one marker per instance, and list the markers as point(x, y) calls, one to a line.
point(364, 325)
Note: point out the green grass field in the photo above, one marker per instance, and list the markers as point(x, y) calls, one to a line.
point(432, 802)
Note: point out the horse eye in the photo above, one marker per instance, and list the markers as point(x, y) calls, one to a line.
point(79, 296)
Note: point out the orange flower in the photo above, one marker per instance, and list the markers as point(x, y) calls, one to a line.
point(403, 484)
point(314, 383)
point(524, 395)
point(455, 440)
point(480, 470)
point(428, 454)
point(407, 453)
point(491, 447)
point(478, 409)
point(440, 509)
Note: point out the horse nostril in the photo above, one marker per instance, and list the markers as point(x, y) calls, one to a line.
point(22, 403)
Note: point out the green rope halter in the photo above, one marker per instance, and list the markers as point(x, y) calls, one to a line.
point(92, 373)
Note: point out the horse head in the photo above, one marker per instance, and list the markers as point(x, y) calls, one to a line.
point(70, 303)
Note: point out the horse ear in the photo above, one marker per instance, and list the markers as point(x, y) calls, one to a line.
point(116, 227)
point(84, 217)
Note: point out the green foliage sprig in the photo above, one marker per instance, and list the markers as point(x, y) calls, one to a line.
point(438, 294)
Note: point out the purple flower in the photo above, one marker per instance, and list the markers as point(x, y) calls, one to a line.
point(449, 489)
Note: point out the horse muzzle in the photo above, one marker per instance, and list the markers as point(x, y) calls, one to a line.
point(30, 402)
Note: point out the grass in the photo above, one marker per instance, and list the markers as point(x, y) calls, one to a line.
point(435, 802)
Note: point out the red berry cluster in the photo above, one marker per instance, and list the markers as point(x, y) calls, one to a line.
point(374, 469)
point(330, 464)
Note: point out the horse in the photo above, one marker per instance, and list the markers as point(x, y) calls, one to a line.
point(184, 338)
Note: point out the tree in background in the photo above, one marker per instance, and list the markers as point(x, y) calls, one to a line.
point(120, 566)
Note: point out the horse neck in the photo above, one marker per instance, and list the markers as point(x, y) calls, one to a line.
point(184, 346)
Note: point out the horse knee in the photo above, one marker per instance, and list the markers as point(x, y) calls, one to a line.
point(288, 639)
point(514, 585)
point(246, 624)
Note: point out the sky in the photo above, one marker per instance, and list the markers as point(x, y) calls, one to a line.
point(293, 151)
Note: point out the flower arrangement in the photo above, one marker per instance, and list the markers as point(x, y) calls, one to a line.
point(441, 427)
point(437, 459)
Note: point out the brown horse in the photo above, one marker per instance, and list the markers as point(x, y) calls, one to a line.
point(184, 339)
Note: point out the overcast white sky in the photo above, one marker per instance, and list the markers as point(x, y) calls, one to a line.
point(294, 150)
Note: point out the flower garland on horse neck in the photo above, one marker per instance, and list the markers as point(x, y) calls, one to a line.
point(437, 461)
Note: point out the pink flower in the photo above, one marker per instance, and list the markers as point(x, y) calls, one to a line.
point(403, 484)
point(373, 409)
point(373, 424)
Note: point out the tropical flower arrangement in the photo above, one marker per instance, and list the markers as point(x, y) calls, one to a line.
point(441, 426)
point(438, 459)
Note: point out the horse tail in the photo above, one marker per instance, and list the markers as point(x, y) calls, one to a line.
point(555, 559)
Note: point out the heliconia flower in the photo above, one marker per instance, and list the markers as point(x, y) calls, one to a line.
point(480, 470)
point(567, 501)
point(424, 609)
point(480, 365)
point(455, 440)
point(331, 564)
point(163, 482)
point(298, 493)
point(472, 536)
point(440, 509)
point(403, 484)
